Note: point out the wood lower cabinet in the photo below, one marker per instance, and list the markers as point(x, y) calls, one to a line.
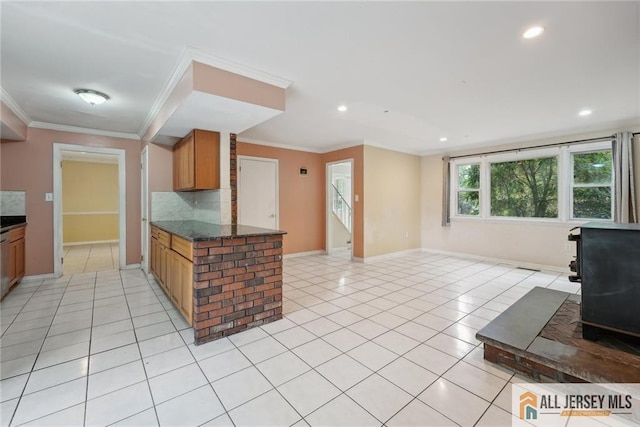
point(182, 284)
point(196, 162)
point(16, 255)
point(172, 270)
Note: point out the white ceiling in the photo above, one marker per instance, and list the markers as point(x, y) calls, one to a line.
point(454, 69)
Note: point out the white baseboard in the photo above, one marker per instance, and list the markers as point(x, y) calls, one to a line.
point(528, 265)
point(132, 266)
point(301, 254)
point(94, 242)
point(39, 277)
point(387, 256)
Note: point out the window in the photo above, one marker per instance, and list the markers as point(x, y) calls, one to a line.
point(591, 185)
point(468, 179)
point(525, 188)
point(548, 184)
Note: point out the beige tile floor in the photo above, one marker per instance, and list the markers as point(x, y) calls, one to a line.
point(89, 258)
point(383, 343)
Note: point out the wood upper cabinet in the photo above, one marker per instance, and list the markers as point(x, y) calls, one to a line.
point(196, 162)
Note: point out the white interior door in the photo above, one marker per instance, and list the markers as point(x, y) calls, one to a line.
point(145, 209)
point(258, 192)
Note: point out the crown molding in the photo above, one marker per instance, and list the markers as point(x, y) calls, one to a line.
point(88, 131)
point(13, 106)
point(181, 67)
point(277, 145)
point(234, 67)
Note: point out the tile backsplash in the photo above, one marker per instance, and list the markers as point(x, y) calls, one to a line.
point(13, 203)
point(179, 206)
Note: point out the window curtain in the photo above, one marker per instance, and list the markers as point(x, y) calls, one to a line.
point(625, 209)
point(446, 193)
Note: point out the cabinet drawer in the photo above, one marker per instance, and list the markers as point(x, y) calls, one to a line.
point(154, 231)
point(16, 234)
point(183, 247)
point(164, 238)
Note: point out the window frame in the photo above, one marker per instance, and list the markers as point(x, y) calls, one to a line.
point(590, 148)
point(456, 188)
point(564, 155)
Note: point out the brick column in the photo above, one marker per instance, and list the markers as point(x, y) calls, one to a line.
point(234, 180)
point(237, 285)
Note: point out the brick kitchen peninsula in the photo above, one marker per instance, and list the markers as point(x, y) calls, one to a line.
point(232, 274)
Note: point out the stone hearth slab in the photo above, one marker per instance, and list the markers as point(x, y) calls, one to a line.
point(521, 323)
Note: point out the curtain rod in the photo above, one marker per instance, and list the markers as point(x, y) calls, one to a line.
point(511, 150)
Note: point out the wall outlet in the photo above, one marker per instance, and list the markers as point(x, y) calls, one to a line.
point(568, 247)
point(406, 234)
point(48, 197)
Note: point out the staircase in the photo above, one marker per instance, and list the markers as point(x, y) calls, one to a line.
point(341, 208)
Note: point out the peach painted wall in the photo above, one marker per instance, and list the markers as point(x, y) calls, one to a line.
point(230, 85)
point(160, 168)
point(301, 197)
point(28, 166)
point(357, 154)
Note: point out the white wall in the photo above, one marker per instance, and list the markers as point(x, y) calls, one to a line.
point(524, 244)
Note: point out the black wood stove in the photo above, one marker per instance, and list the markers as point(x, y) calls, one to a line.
point(608, 267)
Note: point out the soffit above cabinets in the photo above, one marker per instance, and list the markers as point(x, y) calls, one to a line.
point(213, 99)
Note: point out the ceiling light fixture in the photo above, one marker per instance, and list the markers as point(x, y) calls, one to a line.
point(533, 32)
point(443, 139)
point(342, 108)
point(584, 113)
point(92, 97)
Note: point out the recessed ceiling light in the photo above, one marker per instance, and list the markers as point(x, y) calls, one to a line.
point(92, 97)
point(533, 32)
point(443, 139)
point(342, 108)
point(83, 152)
point(584, 113)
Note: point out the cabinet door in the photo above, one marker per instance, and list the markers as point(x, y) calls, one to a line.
point(20, 267)
point(153, 265)
point(13, 256)
point(186, 288)
point(166, 266)
point(184, 164)
point(188, 163)
point(174, 278)
point(176, 166)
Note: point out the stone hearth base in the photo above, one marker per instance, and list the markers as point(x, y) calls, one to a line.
point(540, 336)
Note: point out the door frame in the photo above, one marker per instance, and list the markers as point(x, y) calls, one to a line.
point(328, 202)
point(144, 208)
point(260, 159)
point(58, 148)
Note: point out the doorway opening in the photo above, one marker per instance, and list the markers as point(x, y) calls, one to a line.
point(258, 192)
point(339, 213)
point(89, 209)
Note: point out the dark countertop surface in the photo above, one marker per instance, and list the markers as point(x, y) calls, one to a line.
point(8, 222)
point(198, 231)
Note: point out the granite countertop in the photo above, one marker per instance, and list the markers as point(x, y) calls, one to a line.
point(8, 222)
point(198, 231)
